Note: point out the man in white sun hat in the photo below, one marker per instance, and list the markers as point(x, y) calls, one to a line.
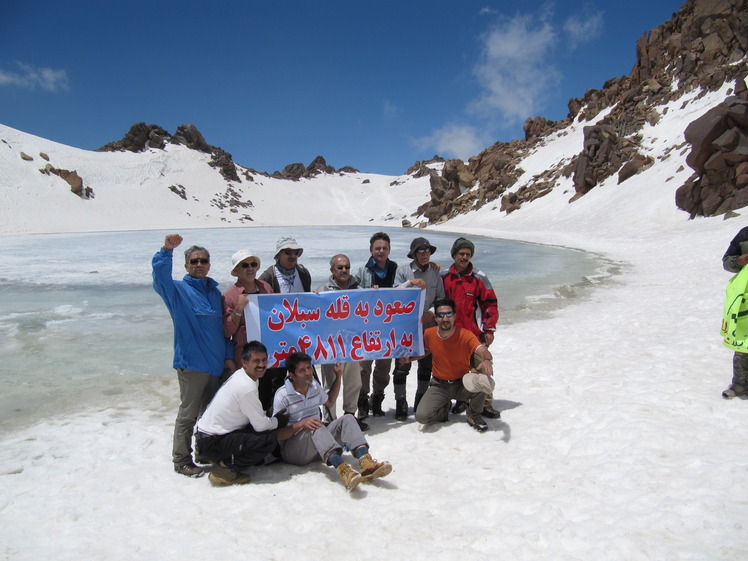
point(286, 276)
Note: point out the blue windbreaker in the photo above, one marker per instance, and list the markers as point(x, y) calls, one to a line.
point(196, 311)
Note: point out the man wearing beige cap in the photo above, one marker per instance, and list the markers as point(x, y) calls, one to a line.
point(286, 276)
point(244, 266)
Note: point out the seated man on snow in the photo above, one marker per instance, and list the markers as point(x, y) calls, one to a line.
point(306, 438)
point(452, 349)
point(234, 433)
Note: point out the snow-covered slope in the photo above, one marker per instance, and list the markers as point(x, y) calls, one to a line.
point(131, 191)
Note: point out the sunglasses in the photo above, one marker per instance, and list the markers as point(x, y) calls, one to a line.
point(423, 250)
point(445, 314)
point(343, 267)
point(296, 252)
point(200, 260)
point(253, 264)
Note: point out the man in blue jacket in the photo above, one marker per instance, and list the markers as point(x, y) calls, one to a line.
point(201, 352)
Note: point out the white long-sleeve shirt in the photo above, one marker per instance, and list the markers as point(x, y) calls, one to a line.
point(235, 405)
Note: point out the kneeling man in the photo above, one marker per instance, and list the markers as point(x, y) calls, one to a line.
point(452, 349)
point(234, 433)
point(307, 439)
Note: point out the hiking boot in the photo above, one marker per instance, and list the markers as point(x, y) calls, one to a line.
point(401, 409)
point(734, 391)
point(363, 407)
point(348, 476)
point(376, 405)
point(416, 401)
point(477, 422)
point(221, 475)
point(363, 426)
point(190, 470)
point(490, 412)
point(371, 469)
point(460, 407)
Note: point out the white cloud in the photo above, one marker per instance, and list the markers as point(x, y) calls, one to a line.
point(29, 77)
point(454, 141)
point(583, 28)
point(514, 71)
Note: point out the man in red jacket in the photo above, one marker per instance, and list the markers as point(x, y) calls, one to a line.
point(477, 306)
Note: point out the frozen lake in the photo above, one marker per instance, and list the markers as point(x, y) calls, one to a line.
point(80, 323)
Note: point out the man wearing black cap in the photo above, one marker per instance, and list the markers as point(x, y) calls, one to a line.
point(477, 308)
point(420, 273)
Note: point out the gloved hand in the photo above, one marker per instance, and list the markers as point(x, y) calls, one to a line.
point(282, 417)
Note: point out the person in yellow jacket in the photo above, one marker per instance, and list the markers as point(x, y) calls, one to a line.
point(735, 319)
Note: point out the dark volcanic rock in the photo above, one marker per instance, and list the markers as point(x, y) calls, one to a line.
point(719, 156)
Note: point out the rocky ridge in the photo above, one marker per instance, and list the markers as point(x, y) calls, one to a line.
point(142, 137)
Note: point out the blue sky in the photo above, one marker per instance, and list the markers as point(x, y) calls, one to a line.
point(375, 85)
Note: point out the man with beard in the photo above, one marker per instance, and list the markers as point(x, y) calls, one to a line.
point(452, 349)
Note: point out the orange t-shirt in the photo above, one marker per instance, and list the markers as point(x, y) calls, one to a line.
point(451, 356)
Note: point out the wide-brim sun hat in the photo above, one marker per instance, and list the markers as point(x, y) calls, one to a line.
point(242, 255)
point(287, 242)
point(418, 242)
point(476, 382)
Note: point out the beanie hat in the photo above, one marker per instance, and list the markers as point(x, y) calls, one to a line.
point(462, 243)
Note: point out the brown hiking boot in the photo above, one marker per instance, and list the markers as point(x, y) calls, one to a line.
point(370, 468)
point(477, 422)
point(189, 469)
point(348, 476)
point(221, 476)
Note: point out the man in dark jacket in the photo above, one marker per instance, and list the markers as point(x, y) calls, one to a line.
point(378, 272)
point(201, 352)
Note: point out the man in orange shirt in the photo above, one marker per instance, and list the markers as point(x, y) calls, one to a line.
point(452, 348)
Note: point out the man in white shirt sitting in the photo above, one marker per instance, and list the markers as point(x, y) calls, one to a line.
point(234, 433)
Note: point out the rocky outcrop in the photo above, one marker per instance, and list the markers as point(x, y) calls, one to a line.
point(719, 157)
point(72, 178)
point(141, 137)
point(296, 171)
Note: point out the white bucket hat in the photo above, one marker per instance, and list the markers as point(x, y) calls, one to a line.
point(475, 382)
point(287, 242)
point(242, 255)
